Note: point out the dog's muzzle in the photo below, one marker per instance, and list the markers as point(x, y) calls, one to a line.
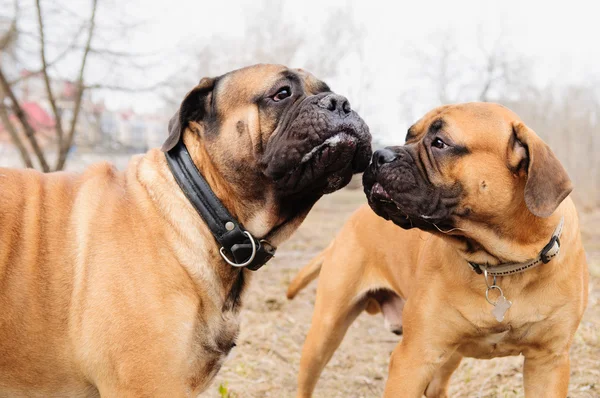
point(319, 148)
point(397, 190)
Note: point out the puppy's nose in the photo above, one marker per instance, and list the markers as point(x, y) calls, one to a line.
point(383, 156)
point(335, 102)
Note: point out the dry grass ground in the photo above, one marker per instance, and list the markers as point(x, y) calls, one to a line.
point(265, 362)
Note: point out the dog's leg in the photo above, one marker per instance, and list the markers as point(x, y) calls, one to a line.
point(547, 376)
point(334, 312)
point(422, 351)
point(438, 386)
point(411, 368)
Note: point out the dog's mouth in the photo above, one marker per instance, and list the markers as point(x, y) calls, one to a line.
point(340, 140)
point(385, 206)
point(327, 167)
point(318, 153)
point(407, 201)
point(382, 203)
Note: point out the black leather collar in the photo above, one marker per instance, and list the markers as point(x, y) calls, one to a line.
point(234, 240)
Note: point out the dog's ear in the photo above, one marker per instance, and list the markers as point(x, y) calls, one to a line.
point(194, 107)
point(548, 183)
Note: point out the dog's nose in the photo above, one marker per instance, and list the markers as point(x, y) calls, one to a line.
point(383, 156)
point(335, 102)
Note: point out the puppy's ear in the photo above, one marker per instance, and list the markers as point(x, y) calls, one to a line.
point(194, 107)
point(548, 183)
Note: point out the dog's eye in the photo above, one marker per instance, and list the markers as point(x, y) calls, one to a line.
point(438, 143)
point(282, 94)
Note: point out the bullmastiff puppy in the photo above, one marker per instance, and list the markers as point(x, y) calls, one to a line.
point(488, 261)
point(111, 283)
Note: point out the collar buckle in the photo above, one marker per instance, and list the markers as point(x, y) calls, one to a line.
point(547, 253)
point(248, 260)
point(251, 253)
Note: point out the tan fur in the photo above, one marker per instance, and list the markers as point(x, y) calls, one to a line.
point(110, 282)
point(309, 272)
point(446, 316)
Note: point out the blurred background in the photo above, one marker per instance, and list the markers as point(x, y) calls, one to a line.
point(104, 76)
point(82, 81)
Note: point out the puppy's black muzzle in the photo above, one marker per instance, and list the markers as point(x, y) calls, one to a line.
point(398, 190)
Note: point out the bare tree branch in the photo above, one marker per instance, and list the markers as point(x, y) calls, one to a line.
point(120, 54)
point(6, 41)
point(66, 51)
point(14, 136)
point(62, 158)
point(8, 38)
point(29, 131)
point(494, 70)
point(125, 89)
point(46, 48)
point(57, 116)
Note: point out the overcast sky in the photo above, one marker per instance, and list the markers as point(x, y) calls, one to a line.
point(560, 40)
point(562, 35)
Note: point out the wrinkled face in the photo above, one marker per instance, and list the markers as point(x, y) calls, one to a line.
point(319, 141)
point(416, 185)
point(279, 128)
point(310, 138)
point(463, 169)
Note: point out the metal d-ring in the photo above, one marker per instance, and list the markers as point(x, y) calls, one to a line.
point(245, 263)
point(491, 287)
point(487, 292)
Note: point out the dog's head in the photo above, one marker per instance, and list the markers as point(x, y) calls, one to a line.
point(466, 170)
point(272, 136)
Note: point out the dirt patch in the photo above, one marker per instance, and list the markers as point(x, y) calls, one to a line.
point(265, 362)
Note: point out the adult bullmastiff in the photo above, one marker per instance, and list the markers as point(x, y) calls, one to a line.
point(113, 285)
point(488, 261)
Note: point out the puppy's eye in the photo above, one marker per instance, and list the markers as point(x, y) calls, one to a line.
point(282, 94)
point(438, 143)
